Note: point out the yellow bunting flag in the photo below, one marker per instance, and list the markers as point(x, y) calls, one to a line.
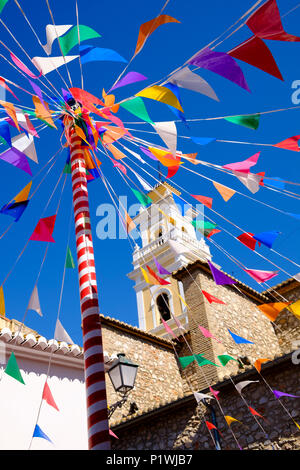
point(296, 424)
point(272, 310)
point(148, 278)
point(259, 362)
point(42, 111)
point(225, 192)
point(23, 195)
point(149, 27)
point(2, 302)
point(230, 420)
point(165, 215)
point(183, 301)
point(162, 94)
point(295, 309)
point(10, 110)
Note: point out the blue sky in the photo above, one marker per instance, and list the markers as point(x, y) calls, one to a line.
point(168, 47)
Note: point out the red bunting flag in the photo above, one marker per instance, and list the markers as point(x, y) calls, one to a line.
point(159, 279)
point(255, 413)
point(207, 201)
point(265, 23)
point(212, 232)
point(211, 298)
point(254, 52)
point(289, 144)
point(247, 240)
point(211, 426)
point(44, 229)
point(48, 397)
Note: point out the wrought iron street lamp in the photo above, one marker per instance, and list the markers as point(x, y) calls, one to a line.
point(122, 375)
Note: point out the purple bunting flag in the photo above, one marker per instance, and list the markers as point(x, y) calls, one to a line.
point(131, 77)
point(222, 64)
point(16, 158)
point(279, 394)
point(220, 278)
point(160, 268)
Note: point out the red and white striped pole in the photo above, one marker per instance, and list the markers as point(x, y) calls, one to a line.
point(98, 431)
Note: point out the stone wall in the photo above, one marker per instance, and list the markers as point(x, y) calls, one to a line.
point(158, 376)
point(240, 315)
point(182, 426)
point(288, 326)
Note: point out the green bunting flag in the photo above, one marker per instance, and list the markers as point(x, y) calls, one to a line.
point(67, 168)
point(203, 225)
point(70, 40)
point(69, 259)
point(186, 360)
point(136, 106)
point(144, 199)
point(13, 370)
point(2, 4)
point(225, 358)
point(251, 121)
point(202, 361)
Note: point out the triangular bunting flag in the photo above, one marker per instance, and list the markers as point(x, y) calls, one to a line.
point(34, 302)
point(238, 339)
point(44, 229)
point(39, 433)
point(60, 333)
point(48, 397)
point(69, 259)
point(13, 370)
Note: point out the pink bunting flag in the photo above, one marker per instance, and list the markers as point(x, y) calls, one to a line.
point(112, 434)
point(207, 333)
point(289, 144)
point(168, 329)
point(243, 166)
point(120, 166)
point(261, 276)
point(23, 67)
point(44, 229)
point(214, 392)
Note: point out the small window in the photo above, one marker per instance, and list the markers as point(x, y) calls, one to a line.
point(163, 306)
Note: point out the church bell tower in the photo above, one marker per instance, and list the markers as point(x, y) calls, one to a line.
point(168, 235)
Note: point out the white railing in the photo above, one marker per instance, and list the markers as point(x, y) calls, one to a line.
point(173, 234)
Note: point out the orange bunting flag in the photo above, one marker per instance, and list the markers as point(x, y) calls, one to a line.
point(149, 27)
point(130, 225)
point(116, 152)
point(160, 280)
point(259, 362)
point(2, 302)
point(207, 201)
point(41, 112)
point(165, 157)
point(112, 134)
point(272, 310)
point(10, 110)
point(230, 420)
point(225, 192)
point(191, 157)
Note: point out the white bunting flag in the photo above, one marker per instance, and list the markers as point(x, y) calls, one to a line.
point(185, 78)
point(250, 180)
point(48, 64)
point(167, 131)
point(34, 303)
point(244, 384)
point(26, 145)
point(201, 396)
point(61, 334)
point(54, 32)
